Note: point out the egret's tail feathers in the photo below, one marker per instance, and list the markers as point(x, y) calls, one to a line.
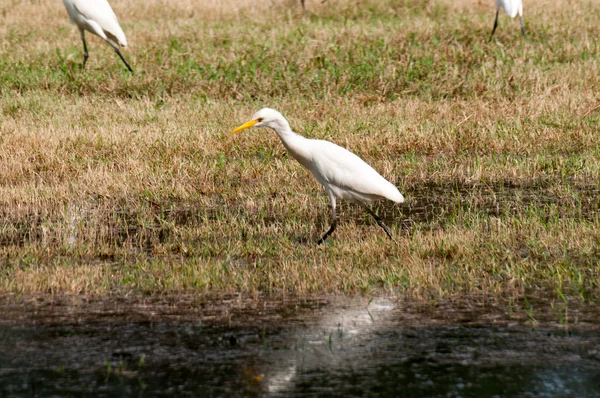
point(398, 198)
point(392, 193)
point(117, 37)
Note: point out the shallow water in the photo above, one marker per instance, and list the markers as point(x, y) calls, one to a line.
point(318, 347)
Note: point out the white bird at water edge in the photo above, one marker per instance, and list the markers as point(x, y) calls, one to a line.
point(512, 8)
point(97, 17)
point(343, 174)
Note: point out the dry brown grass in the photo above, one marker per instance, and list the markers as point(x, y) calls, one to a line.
point(117, 183)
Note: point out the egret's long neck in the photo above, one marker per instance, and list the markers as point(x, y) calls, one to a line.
point(294, 143)
point(284, 131)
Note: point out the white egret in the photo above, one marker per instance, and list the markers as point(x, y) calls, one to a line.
point(512, 8)
point(343, 174)
point(97, 17)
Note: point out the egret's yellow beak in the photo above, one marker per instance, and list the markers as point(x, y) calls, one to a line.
point(244, 126)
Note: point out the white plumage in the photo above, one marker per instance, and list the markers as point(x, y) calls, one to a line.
point(343, 174)
point(512, 8)
point(97, 17)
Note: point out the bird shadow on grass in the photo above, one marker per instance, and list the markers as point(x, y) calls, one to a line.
point(427, 208)
point(436, 206)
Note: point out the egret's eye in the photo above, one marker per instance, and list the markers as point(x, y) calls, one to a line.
point(260, 119)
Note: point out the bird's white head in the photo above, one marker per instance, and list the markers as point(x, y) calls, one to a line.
point(266, 117)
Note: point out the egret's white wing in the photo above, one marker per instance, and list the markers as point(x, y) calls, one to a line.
point(343, 169)
point(100, 12)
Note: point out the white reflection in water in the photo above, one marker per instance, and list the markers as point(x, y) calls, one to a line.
point(334, 341)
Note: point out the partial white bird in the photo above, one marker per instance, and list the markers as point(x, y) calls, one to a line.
point(343, 174)
point(304, 7)
point(97, 17)
point(512, 8)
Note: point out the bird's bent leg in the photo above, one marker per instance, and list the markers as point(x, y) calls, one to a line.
point(120, 55)
point(522, 26)
point(333, 223)
point(303, 7)
point(380, 222)
point(495, 24)
point(85, 51)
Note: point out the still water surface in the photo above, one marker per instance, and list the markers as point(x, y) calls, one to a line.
point(319, 347)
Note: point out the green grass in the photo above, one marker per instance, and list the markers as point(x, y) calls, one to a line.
point(113, 182)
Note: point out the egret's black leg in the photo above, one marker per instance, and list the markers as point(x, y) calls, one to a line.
point(522, 26)
point(380, 222)
point(333, 223)
point(120, 56)
point(331, 229)
point(123, 59)
point(85, 50)
point(495, 24)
